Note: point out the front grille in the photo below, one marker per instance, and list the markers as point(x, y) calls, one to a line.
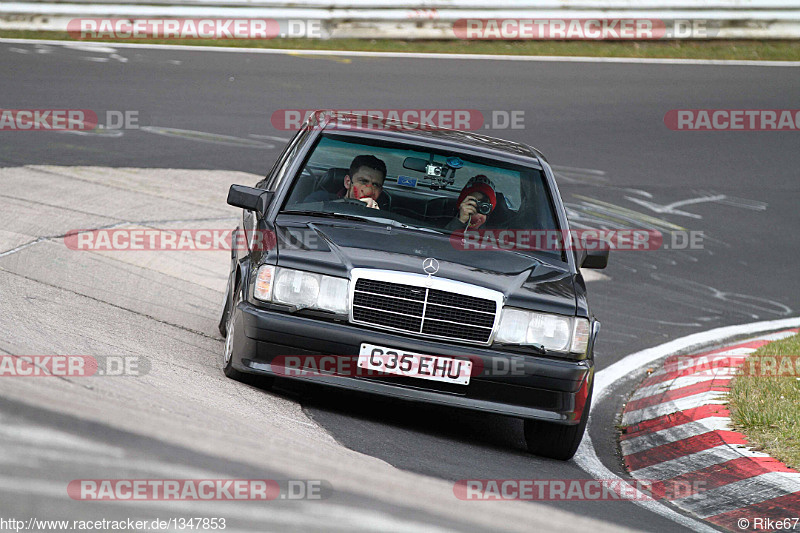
point(426, 311)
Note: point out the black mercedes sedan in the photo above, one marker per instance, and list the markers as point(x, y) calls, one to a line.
point(420, 264)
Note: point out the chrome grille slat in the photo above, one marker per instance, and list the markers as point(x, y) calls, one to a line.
point(389, 296)
point(427, 319)
point(464, 309)
point(423, 306)
point(393, 312)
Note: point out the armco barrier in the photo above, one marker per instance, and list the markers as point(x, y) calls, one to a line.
point(428, 19)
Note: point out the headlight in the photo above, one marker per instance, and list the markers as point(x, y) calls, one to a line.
point(333, 294)
point(297, 288)
point(554, 332)
point(301, 289)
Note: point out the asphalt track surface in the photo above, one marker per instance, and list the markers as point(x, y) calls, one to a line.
point(600, 123)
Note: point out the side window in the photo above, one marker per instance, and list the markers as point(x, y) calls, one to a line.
point(284, 162)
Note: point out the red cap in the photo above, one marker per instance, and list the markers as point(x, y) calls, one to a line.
point(479, 183)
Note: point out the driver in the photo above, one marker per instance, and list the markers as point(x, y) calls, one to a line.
point(364, 182)
point(475, 203)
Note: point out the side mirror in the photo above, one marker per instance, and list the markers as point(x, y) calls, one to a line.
point(250, 198)
point(595, 259)
point(593, 253)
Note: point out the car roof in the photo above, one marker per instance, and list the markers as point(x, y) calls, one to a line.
point(390, 129)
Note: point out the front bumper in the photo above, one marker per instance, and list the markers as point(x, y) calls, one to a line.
point(537, 388)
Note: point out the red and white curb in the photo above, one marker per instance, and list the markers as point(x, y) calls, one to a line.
point(678, 433)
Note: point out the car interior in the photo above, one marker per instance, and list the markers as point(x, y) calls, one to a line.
point(422, 188)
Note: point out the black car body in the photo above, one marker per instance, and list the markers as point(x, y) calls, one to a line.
point(394, 300)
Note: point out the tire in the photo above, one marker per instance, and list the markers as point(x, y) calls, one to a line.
point(229, 318)
point(226, 311)
point(556, 441)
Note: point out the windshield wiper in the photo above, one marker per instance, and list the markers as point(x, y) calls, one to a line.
point(346, 216)
point(329, 214)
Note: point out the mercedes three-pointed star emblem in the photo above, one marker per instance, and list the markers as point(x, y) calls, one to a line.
point(430, 266)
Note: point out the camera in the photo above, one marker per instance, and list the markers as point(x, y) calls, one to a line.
point(484, 208)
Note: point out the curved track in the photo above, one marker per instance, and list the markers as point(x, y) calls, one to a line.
point(390, 465)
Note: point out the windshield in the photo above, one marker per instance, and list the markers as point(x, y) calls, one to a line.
point(422, 189)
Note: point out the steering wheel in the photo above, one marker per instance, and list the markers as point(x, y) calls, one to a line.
point(352, 201)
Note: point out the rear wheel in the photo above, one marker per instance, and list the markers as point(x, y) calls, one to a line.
point(556, 441)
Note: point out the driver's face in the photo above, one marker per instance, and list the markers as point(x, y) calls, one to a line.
point(364, 183)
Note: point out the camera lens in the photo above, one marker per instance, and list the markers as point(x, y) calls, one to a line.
point(484, 208)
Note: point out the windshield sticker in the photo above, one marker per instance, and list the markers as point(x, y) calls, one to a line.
point(407, 181)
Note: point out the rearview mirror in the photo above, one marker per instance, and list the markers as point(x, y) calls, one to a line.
point(250, 198)
point(415, 163)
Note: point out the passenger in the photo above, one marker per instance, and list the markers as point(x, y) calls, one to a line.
point(475, 203)
point(364, 182)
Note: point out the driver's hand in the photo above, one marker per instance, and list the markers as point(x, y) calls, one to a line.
point(467, 208)
point(370, 202)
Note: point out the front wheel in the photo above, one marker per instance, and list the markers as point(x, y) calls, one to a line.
point(556, 441)
point(265, 382)
point(229, 318)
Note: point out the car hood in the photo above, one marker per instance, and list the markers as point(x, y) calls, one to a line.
point(335, 247)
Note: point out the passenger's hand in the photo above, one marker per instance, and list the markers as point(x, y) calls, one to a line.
point(370, 202)
point(467, 208)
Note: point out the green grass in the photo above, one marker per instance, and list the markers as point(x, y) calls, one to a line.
point(753, 50)
point(767, 409)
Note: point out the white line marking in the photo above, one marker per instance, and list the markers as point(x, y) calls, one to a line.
point(670, 209)
point(270, 137)
point(624, 367)
point(694, 461)
point(92, 48)
point(684, 381)
point(202, 136)
point(674, 434)
point(593, 275)
point(673, 406)
point(756, 489)
point(777, 336)
point(413, 55)
point(702, 367)
point(577, 170)
point(587, 459)
point(740, 350)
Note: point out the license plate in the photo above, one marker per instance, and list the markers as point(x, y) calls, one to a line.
point(414, 365)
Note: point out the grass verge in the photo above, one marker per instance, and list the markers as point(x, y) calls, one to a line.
point(767, 408)
point(742, 50)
